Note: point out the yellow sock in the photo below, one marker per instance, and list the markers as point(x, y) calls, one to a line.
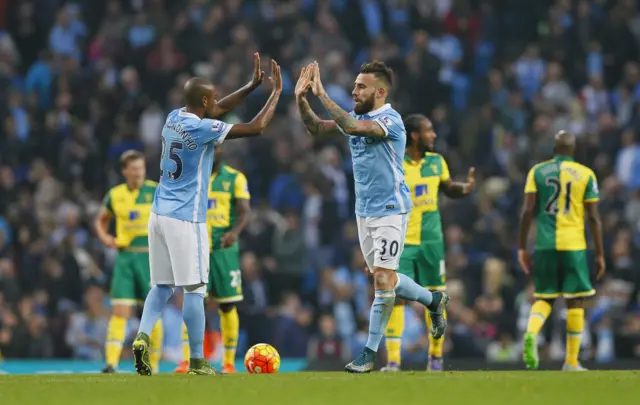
point(155, 346)
point(575, 326)
point(435, 345)
point(539, 313)
point(393, 335)
point(230, 329)
point(115, 339)
point(186, 350)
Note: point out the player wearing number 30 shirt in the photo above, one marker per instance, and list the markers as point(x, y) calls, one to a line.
point(377, 140)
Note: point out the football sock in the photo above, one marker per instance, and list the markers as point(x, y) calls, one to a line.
point(186, 352)
point(115, 339)
point(393, 335)
point(379, 317)
point(540, 311)
point(410, 290)
point(575, 326)
point(153, 306)
point(193, 315)
point(435, 345)
point(155, 346)
point(229, 328)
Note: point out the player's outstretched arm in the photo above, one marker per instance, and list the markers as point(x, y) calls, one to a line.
point(315, 126)
point(453, 189)
point(349, 124)
point(230, 102)
point(595, 228)
point(258, 124)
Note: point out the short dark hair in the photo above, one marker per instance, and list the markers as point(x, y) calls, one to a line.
point(129, 156)
point(412, 124)
point(379, 70)
point(195, 90)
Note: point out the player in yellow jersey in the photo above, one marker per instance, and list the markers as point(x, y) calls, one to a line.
point(227, 216)
point(129, 205)
point(558, 192)
point(423, 257)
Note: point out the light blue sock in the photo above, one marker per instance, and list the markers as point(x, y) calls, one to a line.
point(379, 317)
point(408, 289)
point(193, 315)
point(153, 306)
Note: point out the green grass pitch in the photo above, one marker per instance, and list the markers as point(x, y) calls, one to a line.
point(449, 388)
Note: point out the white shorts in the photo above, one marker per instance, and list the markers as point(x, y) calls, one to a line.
point(178, 252)
point(382, 240)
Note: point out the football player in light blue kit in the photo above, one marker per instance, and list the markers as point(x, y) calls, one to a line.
point(377, 140)
point(178, 237)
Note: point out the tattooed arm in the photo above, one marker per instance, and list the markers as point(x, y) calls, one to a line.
point(350, 125)
point(315, 126)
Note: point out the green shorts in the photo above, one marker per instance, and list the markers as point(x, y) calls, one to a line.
point(131, 280)
point(424, 264)
point(225, 282)
point(563, 273)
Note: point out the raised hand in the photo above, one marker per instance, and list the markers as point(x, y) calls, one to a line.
point(304, 81)
point(471, 180)
point(258, 73)
point(276, 77)
point(316, 84)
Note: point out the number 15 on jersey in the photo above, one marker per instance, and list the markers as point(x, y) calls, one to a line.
point(171, 157)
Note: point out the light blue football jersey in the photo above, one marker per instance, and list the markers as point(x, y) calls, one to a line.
point(188, 143)
point(377, 166)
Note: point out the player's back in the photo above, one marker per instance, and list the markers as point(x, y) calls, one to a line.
point(187, 158)
point(562, 187)
point(377, 167)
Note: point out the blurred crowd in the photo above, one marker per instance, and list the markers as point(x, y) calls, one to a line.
point(85, 80)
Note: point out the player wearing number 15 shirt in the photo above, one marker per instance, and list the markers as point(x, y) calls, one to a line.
point(558, 193)
point(178, 236)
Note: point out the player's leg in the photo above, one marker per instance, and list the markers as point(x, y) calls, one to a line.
point(122, 302)
point(546, 290)
point(393, 337)
point(384, 297)
point(226, 286)
point(431, 275)
point(395, 327)
point(190, 264)
point(163, 282)
point(576, 287)
point(142, 272)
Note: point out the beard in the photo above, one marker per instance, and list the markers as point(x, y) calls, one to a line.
point(364, 106)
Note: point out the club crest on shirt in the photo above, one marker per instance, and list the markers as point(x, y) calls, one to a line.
point(434, 168)
point(225, 185)
point(148, 197)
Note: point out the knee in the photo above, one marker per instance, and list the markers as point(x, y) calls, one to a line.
point(228, 307)
point(200, 289)
point(384, 279)
point(122, 311)
point(575, 303)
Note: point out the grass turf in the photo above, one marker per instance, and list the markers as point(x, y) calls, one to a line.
point(449, 388)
